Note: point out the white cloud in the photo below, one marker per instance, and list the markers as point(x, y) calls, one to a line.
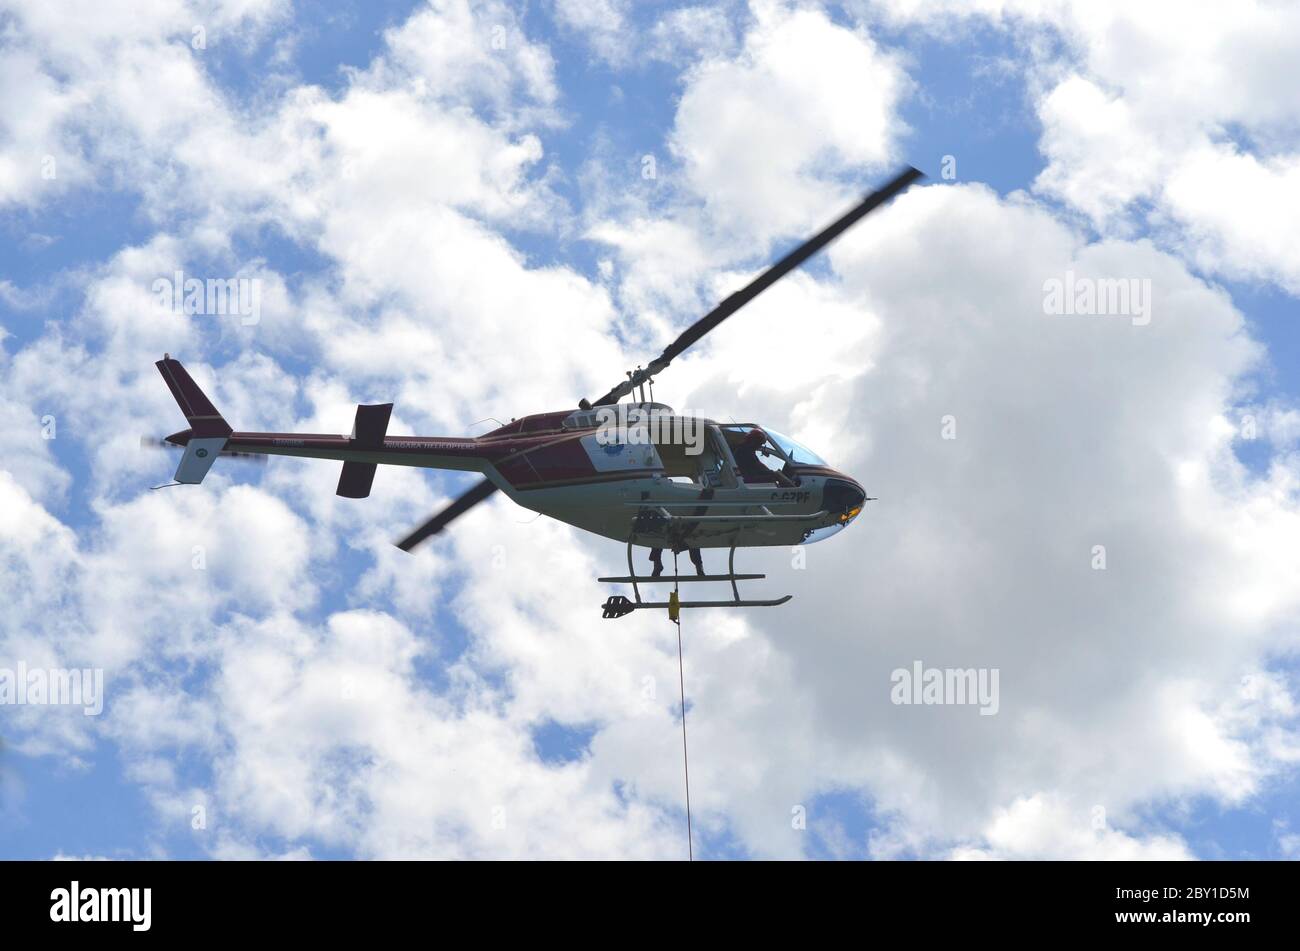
point(602, 22)
point(28, 434)
point(89, 83)
point(686, 34)
point(1038, 828)
point(768, 141)
point(1173, 115)
point(455, 51)
point(762, 137)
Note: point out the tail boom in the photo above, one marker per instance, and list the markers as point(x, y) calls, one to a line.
point(367, 447)
point(425, 452)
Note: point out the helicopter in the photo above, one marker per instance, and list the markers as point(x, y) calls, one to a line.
point(634, 472)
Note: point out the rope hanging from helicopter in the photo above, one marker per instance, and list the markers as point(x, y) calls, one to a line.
point(675, 615)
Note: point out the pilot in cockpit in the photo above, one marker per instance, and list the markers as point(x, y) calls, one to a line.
point(752, 469)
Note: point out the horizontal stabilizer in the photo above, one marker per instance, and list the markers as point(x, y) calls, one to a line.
point(368, 432)
point(199, 455)
point(371, 425)
point(355, 480)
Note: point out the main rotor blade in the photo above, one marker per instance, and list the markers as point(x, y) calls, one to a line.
point(453, 511)
point(761, 283)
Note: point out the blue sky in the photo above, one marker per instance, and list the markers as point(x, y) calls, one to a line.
point(465, 229)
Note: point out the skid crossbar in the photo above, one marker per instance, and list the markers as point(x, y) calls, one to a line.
point(617, 605)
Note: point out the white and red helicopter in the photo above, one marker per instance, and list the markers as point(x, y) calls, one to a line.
point(635, 472)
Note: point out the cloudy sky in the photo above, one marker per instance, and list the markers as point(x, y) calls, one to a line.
point(491, 209)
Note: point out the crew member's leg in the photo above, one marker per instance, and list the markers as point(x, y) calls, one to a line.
point(657, 559)
point(697, 561)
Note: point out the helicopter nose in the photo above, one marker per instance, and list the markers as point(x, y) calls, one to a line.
point(843, 499)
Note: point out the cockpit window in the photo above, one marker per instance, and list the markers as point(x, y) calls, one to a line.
point(757, 457)
point(798, 454)
point(764, 456)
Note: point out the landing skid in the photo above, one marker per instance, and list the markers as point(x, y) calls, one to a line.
point(645, 579)
point(618, 605)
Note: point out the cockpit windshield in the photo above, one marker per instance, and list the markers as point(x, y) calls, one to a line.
point(764, 456)
point(797, 453)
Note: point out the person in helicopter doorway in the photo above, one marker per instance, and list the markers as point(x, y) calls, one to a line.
point(657, 559)
point(750, 466)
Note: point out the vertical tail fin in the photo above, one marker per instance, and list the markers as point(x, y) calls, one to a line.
point(208, 429)
point(203, 417)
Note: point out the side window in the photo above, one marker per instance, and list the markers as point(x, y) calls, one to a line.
point(703, 462)
point(678, 464)
point(629, 451)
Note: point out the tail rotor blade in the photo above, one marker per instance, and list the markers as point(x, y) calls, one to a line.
point(256, 458)
point(453, 511)
point(153, 442)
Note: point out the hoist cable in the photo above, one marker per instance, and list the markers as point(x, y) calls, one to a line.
point(681, 684)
